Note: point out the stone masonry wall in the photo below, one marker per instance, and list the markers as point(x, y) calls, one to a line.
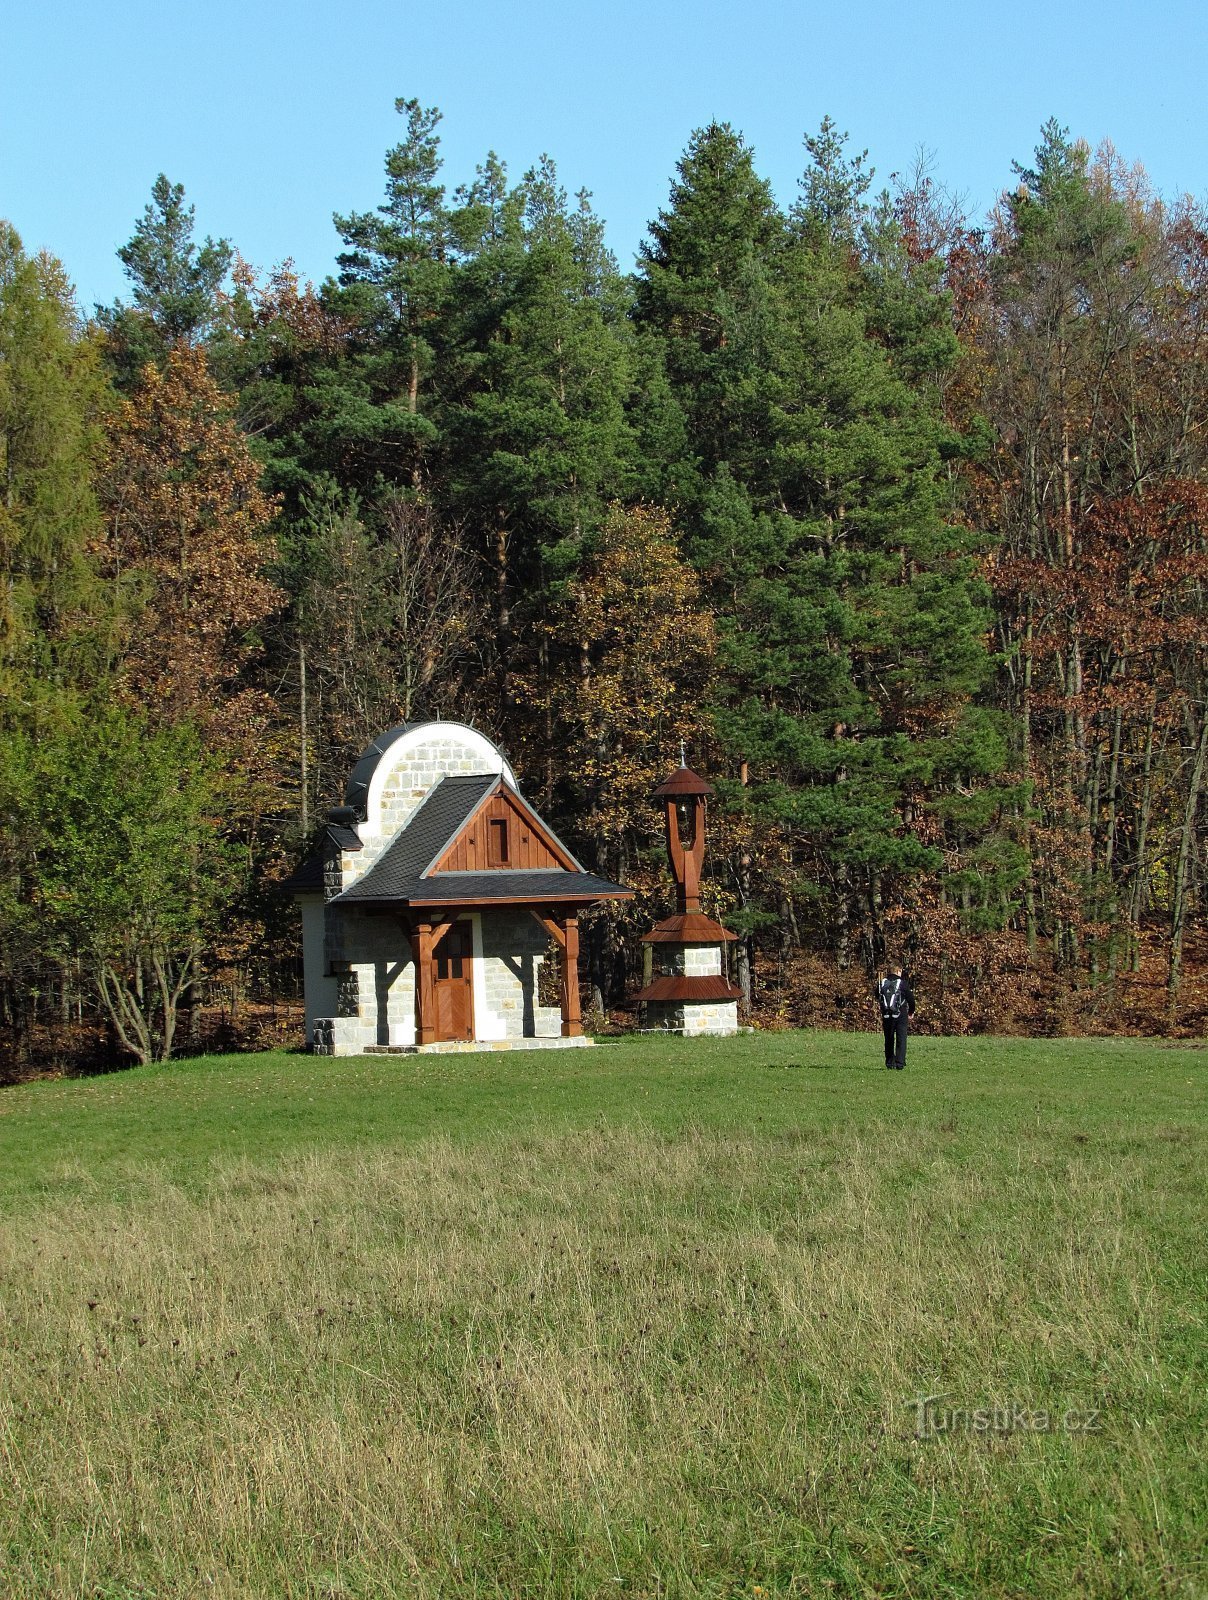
point(375, 980)
point(689, 960)
point(699, 1017)
point(714, 1017)
point(513, 946)
point(693, 1019)
point(371, 958)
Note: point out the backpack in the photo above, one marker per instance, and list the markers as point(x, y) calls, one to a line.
point(893, 1001)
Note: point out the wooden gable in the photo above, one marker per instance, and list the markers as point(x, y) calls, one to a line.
point(503, 835)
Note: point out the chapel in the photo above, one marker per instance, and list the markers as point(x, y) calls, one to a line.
point(435, 899)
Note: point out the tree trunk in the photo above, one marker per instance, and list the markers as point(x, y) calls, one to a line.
point(1140, 876)
point(503, 610)
point(305, 733)
point(1026, 711)
point(1178, 910)
point(744, 953)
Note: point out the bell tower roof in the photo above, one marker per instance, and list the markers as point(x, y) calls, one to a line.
point(683, 781)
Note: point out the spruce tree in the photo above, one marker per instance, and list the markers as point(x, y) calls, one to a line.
point(850, 614)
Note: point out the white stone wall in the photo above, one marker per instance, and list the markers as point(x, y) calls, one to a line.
point(513, 948)
point(689, 960)
point(370, 955)
point(693, 1019)
point(713, 1017)
point(702, 960)
point(373, 983)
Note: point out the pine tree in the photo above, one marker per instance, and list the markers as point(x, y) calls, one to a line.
point(541, 364)
point(394, 274)
point(175, 285)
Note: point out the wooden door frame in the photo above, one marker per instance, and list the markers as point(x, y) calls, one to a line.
point(426, 935)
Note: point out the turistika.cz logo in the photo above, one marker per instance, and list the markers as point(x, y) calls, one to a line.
point(933, 1417)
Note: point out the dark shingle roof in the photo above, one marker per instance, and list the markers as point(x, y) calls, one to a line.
point(399, 874)
point(346, 838)
point(305, 879)
point(434, 825)
point(308, 877)
point(452, 888)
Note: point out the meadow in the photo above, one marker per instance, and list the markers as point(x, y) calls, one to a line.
point(657, 1319)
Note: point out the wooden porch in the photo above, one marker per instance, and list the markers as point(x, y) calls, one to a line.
point(436, 988)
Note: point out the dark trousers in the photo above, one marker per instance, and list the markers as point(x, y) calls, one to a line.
point(895, 1029)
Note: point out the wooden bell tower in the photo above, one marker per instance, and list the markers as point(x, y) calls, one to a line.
point(688, 991)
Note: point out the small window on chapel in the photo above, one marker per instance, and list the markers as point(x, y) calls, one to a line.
point(497, 842)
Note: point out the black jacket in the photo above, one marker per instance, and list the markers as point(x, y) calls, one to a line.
point(907, 992)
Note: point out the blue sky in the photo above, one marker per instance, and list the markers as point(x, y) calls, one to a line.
point(275, 115)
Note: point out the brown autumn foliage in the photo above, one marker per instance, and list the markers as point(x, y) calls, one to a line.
point(186, 543)
point(623, 670)
point(619, 677)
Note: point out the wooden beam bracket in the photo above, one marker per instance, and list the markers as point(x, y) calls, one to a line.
point(551, 927)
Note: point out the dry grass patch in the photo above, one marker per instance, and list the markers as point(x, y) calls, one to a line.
point(610, 1359)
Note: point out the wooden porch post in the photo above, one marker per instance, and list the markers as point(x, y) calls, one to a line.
point(425, 998)
point(572, 1026)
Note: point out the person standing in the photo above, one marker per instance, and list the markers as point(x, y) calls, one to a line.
point(896, 1000)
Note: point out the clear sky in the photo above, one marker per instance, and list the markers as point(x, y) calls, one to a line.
point(273, 115)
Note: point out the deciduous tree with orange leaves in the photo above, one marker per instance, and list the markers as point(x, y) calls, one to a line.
point(187, 541)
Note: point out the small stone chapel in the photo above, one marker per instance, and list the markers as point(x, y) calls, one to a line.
point(435, 899)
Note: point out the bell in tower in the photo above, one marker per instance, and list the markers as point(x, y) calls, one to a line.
point(688, 991)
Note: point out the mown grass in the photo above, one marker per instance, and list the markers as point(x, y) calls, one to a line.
point(647, 1319)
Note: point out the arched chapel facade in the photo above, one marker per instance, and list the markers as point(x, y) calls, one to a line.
point(436, 897)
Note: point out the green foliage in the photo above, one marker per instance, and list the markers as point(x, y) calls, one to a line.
point(51, 399)
point(851, 615)
point(175, 285)
point(887, 454)
point(394, 274)
point(831, 207)
point(120, 862)
point(543, 366)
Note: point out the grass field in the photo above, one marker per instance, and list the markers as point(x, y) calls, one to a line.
point(650, 1319)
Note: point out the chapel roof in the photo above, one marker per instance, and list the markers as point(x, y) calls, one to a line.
point(517, 885)
point(431, 830)
point(306, 878)
point(404, 872)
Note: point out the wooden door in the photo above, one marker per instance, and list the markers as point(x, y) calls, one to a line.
point(453, 966)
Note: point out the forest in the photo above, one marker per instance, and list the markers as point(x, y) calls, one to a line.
point(894, 517)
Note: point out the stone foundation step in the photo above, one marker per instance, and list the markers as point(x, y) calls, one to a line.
point(466, 1047)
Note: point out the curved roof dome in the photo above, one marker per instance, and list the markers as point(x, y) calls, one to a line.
point(356, 793)
point(357, 787)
